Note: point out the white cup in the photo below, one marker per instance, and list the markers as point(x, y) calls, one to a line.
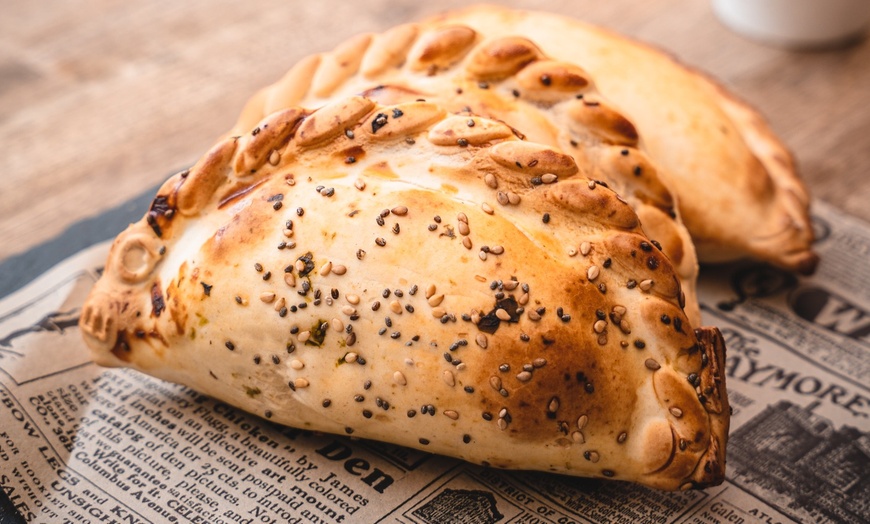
point(796, 23)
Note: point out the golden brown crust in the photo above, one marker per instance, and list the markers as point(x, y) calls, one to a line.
point(414, 294)
point(509, 78)
point(737, 188)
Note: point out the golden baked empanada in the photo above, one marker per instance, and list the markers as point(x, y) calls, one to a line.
point(735, 183)
point(388, 272)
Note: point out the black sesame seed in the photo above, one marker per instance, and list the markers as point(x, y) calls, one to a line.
point(546, 80)
point(536, 181)
point(652, 263)
point(380, 241)
point(350, 160)
point(624, 152)
point(300, 211)
point(275, 359)
point(487, 415)
point(257, 359)
point(466, 438)
point(258, 267)
point(230, 346)
point(645, 246)
point(589, 387)
point(397, 113)
point(432, 227)
point(348, 430)
point(399, 293)
point(607, 263)
point(631, 284)
point(267, 275)
point(382, 331)
point(413, 290)
point(437, 219)
point(358, 398)
point(424, 441)
point(600, 314)
point(516, 93)
point(639, 344)
point(348, 133)
point(469, 389)
point(462, 142)
point(546, 218)
point(409, 308)
point(395, 334)
point(367, 385)
point(412, 413)
point(366, 413)
point(326, 403)
point(483, 85)
point(665, 319)
point(376, 305)
point(388, 321)
point(277, 205)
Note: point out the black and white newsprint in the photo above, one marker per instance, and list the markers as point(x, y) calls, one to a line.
point(83, 444)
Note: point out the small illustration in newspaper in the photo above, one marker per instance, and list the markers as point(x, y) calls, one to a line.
point(798, 461)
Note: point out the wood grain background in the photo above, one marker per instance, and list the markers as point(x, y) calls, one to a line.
point(102, 99)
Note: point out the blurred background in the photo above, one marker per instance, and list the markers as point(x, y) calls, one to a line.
point(103, 99)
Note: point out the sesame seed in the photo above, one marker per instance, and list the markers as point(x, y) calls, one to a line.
point(481, 340)
point(578, 437)
point(267, 297)
point(502, 424)
point(448, 378)
point(592, 273)
point(591, 456)
point(513, 198)
point(325, 269)
point(645, 285)
point(491, 180)
point(466, 242)
point(360, 184)
point(581, 422)
point(524, 376)
point(400, 211)
point(677, 412)
point(399, 378)
point(502, 314)
point(553, 406)
point(534, 316)
point(487, 208)
point(301, 382)
point(451, 414)
point(549, 178)
point(380, 241)
point(585, 248)
point(599, 326)
point(539, 362)
point(464, 230)
point(502, 198)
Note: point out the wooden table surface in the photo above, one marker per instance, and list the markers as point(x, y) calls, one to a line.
point(100, 100)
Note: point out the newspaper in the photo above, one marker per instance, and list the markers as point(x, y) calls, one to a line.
point(79, 443)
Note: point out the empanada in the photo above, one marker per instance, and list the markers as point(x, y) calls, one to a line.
point(736, 185)
point(389, 272)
